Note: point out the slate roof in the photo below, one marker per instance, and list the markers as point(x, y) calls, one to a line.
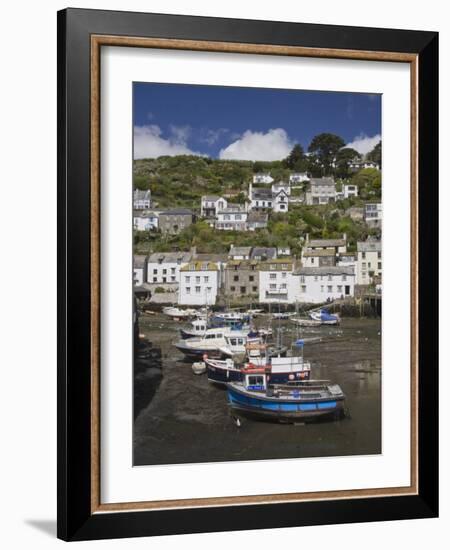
point(325, 270)
point(369, 246)
point(261, 193)
point(177, 212)
point(141, 195)
point(240, 251)
point(261, 252)
point(139, 261)
point(315, 243)
point(169, 257)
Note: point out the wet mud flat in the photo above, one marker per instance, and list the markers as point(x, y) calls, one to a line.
point(180, 417)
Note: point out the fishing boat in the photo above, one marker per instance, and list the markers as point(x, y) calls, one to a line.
point(216, 343)
point(233, 316)
point(325, 317)
point(274, 362)
point(256, 397)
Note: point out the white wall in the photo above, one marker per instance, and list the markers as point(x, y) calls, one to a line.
point(28, 114)
point(310, 290)
point(206, 281)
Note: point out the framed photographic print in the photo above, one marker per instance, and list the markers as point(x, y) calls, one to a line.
point(247, 274)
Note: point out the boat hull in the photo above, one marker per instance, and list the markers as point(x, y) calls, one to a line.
point(280, 411)
point(195, 353)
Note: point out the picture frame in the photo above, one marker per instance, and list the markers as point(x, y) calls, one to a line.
point(81, 35)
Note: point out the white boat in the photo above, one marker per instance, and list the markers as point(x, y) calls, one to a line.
point(283, 315)
point(217, 342)
point(298, 321)
point(177, 313)
point(325, 317)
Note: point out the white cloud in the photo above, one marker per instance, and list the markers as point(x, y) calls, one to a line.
point(148, 142)
point(364, 144)
point(272, 145)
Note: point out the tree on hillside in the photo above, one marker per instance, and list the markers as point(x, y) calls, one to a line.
point(296, 159)
point(375, 154)
point(343, 159)
point(368, 181)
point(325, 147)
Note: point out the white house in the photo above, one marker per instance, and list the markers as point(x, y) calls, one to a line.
point(145, 220)
point(277, 284)
point(142, 200)
point(260, 198)
point(281, 186)
point(356, 165)
point(350, 190)
point(316, 285)
point(283, 251)
point(211, 204)
point(231, 218)
point(321, 191)
point(139, 269)
point(280, 201)
point(298, 177)
point(262, 178)
point(199, 283)
point(163, 268)
point(369, 261)
point(373, 214)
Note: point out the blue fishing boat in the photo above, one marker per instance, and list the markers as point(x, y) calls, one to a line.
point(255, 397)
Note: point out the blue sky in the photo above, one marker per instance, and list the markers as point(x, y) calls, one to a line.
point(247, 123)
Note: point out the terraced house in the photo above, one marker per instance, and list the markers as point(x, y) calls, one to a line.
point(199, 283)
point(241, 278)
point(277, 283)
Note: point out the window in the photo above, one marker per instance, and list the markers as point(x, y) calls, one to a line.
point(243, 289)
point(254, 288)
point(236, 278)
point(303, 288)
point(164, 271)
point(283, 275)
point(206, 279)
point(363, 255)
point(272, 287)
point(283, 285)
point(273, 276)
point(344, 277)
point(302, 278)
point(330, 277)
point(379, 265)
point(173, 279)
point(155, 279)
point(339, 288)
point(251, 278)
point(316, 277)
point(187, 278)
point(232, 288)
point(164, 279)
point(172, 270)
point(256, 381)
point(208, 290)
point(321, 288)
point(312, 260)
point(197, 289)
point(155, 271)
point(379, 255)
point(188, 290)
point(197, 279)
point(329, 288)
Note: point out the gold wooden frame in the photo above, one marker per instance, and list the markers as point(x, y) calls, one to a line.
point(97, 41)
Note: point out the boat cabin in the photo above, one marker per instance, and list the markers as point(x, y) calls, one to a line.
point(256, 381)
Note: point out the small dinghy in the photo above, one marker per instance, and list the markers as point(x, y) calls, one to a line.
point(199, 367)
